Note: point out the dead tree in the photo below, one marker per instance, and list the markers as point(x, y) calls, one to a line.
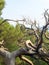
point(33, 50)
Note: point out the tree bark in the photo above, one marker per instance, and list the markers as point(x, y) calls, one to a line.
point(10, 61)
point(10, 57)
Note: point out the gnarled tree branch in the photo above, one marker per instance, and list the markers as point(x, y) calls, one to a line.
point(27, 60)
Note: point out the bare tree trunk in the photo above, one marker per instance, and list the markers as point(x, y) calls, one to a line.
point(10, 57)
point(10, 61)
point(34, 51)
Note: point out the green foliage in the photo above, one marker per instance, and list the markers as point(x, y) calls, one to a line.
point(39, 62)
point(2, 4)
point(11, 35)
point(19, 33)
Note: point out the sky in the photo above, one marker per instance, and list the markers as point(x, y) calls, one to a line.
point(33, 9)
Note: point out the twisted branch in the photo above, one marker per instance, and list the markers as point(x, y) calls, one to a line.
point(41, 36)
point(26, 60)
point(10, 20)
